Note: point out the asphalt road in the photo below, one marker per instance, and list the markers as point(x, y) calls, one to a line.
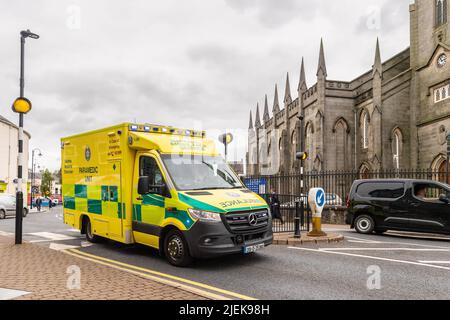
point(409, 266)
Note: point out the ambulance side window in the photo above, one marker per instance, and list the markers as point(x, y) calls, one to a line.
point(149, 167)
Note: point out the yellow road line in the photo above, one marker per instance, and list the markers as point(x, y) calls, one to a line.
point(191, 289)
point(165, 275)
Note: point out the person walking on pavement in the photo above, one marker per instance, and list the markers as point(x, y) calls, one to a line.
point(38, 204)
point(274, 204)
point(49, 204)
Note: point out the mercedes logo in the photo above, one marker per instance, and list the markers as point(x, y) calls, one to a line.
point(252, 219)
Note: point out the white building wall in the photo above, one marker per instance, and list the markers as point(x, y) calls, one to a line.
point(8, 156)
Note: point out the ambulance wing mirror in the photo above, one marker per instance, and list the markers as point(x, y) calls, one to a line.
point(143, 185)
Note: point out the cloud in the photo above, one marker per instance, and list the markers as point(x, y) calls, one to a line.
point(277, 13)
point(182, 63)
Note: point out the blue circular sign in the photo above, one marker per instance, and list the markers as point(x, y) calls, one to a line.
point(320, 198)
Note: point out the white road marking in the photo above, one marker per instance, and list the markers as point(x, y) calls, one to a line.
point(85, 244)
point(8, 294)
point(393, 242)
point(385, 249)
point(6, 234)
point(50, 236)
point(74, 230)
point(59, 246)
point(435, 262)
point(362, 239)
point(372, 257)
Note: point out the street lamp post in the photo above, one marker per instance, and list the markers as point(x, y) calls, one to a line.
point(21, 106)
point(33, 173)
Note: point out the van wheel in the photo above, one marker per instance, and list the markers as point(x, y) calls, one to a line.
point(2, 214)
point(25, 212)
point(364, 224)
point(90, 236)
point(176, 249)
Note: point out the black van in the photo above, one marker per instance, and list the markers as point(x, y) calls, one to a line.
point(400, 204)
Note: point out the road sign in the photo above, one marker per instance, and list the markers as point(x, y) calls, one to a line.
point(316, 200)
point(320, 198)
point(256, 185)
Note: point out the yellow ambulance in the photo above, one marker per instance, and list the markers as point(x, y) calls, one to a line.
point(164, 187)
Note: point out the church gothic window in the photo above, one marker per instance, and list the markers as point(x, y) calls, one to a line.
point(365, 130)
point(442, 93)
point(441, 12)
point(397, 147)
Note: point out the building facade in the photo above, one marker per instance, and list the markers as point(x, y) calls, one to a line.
point(396, 115)
point(8, 155)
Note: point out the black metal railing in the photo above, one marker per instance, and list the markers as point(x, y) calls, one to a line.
point(289, 208)
point(336, 184)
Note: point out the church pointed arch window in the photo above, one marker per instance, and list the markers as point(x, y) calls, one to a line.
point(365, 129)
point(397, 140)
point(441, 12)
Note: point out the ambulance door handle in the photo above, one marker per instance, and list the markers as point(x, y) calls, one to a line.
point(139, 198)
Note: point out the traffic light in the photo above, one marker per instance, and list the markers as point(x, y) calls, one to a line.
point(302, 156)
point(226, 139)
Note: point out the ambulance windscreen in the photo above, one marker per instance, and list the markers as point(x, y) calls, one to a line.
point(200, 173)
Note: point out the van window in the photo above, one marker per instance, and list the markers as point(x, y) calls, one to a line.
point(429, 191)
point(387, 190)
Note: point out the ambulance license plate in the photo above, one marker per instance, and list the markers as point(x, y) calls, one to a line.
point(251, 249)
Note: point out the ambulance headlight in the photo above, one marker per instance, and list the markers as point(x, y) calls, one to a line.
point(206, 216)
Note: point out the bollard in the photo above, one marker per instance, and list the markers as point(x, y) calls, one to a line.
point(316, 200)
point(297, 233)
point(19, 217)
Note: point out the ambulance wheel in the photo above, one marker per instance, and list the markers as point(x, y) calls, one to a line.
point(90, 236)
point(176, 249)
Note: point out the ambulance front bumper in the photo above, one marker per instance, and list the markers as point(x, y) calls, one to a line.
point(208, 240)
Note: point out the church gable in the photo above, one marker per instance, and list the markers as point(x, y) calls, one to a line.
point(436, 58)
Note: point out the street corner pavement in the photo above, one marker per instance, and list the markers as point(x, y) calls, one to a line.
point(39, 273)
point(291, 240)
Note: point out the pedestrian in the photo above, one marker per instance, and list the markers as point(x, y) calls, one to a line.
point(274, 203)
point(38, 204)
point(49, 203)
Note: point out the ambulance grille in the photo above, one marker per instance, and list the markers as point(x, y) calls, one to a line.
point(238, 222)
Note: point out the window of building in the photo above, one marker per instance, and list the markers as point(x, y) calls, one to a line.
point(442, 93)
point(397, 145)
point(441, 12)
point(365, 130)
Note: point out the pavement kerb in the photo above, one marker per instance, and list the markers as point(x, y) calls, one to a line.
point(193, 290)
point(157, 278)
point(287, 239)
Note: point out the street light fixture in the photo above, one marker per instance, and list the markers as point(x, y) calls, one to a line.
point(21, 106)
point(33, 174)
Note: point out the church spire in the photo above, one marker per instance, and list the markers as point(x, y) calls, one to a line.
point(266, 115)
point(287, 94)
point(276, 101)
point(377, 66)
point(302, 83)
point(250, 125)
point(322, 68)
point(258, 119)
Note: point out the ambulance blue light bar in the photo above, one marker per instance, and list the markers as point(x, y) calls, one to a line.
point(148, 128)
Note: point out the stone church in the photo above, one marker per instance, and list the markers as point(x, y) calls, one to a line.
point(394, 116)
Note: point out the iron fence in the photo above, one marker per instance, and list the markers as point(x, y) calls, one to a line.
point(336, 184)
point(289, 209)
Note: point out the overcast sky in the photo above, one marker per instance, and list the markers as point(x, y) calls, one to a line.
point(189, 63)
